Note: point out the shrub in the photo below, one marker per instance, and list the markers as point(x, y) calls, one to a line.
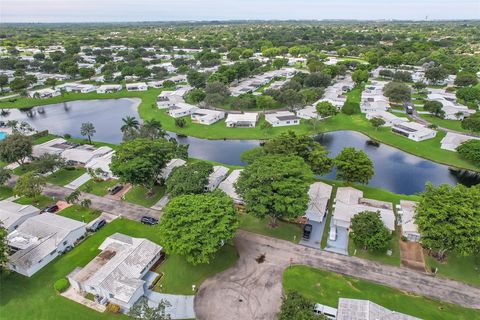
point(350, 108)
point(113, 308)
point(61, 285)
point(67, 136)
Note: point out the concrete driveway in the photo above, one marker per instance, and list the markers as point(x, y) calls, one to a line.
point(316, 235)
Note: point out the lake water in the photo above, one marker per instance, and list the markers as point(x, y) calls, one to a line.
point(395, 170)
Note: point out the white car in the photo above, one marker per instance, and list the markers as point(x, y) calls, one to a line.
point(333, 233)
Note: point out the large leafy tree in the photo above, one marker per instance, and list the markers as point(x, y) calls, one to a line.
point(304, 146)
point(326, 109)
point(471, 123)
point(189, 179)
point(140, 161)
point(46, 163)
point(275, 186)
point(397, 91)
point(354, 166)
point(369, 231)
point(29, 185)
point(436, 74)
point(435, 108)
point(15, 148)
point(448, 218)
point(470, 150)
point(197, 226)
point(297, 307)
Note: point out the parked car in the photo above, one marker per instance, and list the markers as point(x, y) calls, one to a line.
point(115, 189)
point(148, 220)
point(96, 225)
point(409, 109)
point(307, 231)
point(333, 233)
point(51, 209)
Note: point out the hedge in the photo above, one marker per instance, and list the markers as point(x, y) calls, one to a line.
point(61, 285)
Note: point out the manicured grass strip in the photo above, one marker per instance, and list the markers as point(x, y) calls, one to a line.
point(80, 213)
point(98, 188)
point(457, 267)
point(24, 168)
point(5, 192)
point(379, 256)
point(138, 195)
point(64, 176)
point(41, 202)
point(179, 275)
point(327, 287)
point(444, 123)
point(44, 139)
point(284, 230)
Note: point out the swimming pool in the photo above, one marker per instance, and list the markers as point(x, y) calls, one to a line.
point(3, 135)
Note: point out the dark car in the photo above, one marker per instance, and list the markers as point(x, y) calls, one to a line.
point(97, 225)
point(307, 231)
point(115, 189)
point(51, 209)
point(148, 220)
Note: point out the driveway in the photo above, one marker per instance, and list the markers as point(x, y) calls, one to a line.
point(252, 290)
point(316, 235)
point(340, 244)
point(75, 184)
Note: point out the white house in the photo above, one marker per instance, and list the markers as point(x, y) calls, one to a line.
point(354, 309)
point(319, 196)
point(309, 112)
point(40, 239)
point(414, 131)
point(181, 109)
point(138, 86)
point(219, 173)
point(453, 110)
point(452, 140)
point(228, 186)
point(101, 164)
point(13, 214)
point(116, 274)
point(407, 219)
point(83, 154)
point(389, 118)
point(207, 116)
point(242, 120)
point(374, 104)
point(44, 93)
point(172, 164)
point(282, 119)
point(54, 146)
point(107, 88)
point(350, 202)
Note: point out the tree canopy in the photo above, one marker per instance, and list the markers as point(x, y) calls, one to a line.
point(297, 307)
point(470, 150)
point(354, 166)
point(369, 231)
point(15, 148)
point(397, 91)
point(189, 179)
point(29, 185)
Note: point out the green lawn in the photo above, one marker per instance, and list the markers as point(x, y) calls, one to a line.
point(327, 287)
point(179, 275)
point(465, 269)
point(379, 256)
point(41, 202)
point(5, 192)
point(80, 213)
point(98, 188)
point(64, 176)
point(284, 230)
point(444, 123)
point(45, 138)
point(24, 168)
point(137, 195)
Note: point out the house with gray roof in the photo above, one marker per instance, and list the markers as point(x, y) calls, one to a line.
point(117, 274)
point(40, 239)
point(319, 196)
point(355, 309)
point(13, 214)
point(228, 186)
point(219, 173)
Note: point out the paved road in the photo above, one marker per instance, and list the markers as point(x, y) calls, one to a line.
point(252, 290)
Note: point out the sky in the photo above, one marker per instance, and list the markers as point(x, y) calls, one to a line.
point(175, 10)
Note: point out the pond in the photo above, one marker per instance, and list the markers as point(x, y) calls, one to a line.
point(395, 170)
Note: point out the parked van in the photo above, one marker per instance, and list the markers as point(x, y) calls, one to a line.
point(333, 233)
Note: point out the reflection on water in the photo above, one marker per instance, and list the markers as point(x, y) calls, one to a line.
point(395, 170)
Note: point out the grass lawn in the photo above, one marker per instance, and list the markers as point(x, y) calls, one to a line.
point(179, 275)
point(64, 176)
point(80, 213)
point(5, 192)
point(23, 297)
point(137, 195)
point(23, 169)
point(98, 188)
point(41, 202)
point(444, 123)
point(327, 287)
point(378, 256)
point(284, 230)
point(44, 139)
point(465, 269)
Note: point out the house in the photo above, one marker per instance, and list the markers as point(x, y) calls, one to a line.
point(407, 219)
point(77, 87)
point(181, 109)
point(242, 120)
point(354, 309)
point(101, 165)
point(107, 88)
point(319, 196)
point(219, 173)
point(44, 93)
point(452, 140)
point(452, 109)
point(155, 84)
point(282, 119)
point(350, 202)
point(40, 239)
point(414, 131)
point(13, 214)
point(83, 154)
point(309, 112)
point(116, 274)
point(167, 99)
point(172, 164)
point(54, 146)
point(374, 104)
point(389, 118)
point(207, 116)
point(138, 86)
point(228, 186)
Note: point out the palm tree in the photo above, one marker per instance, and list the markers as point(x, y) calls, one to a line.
point(129, 123)
point(87, 129)
point(152, 125)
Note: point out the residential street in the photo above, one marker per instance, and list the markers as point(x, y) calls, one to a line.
point(252, 290)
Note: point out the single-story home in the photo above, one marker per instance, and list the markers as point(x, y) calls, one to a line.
point(407, 219)
point(319, 196)
point(414, 131)
point(13, 214)
point(44, 93)
point(389, 118)
point(355, 309)
point(83, 154)
point(40, 239)
point(452, 140)
point(54, 146)
point(309, 112)
point(116, 274)
point(102, 164)
point(138, 86)
point(282, 119)
point(375, 104)
point(207, 116)
point(228, 186)
point(181, 109)
point(107, 88)
point(219, 173)
point(242, 120)
point(172, 164)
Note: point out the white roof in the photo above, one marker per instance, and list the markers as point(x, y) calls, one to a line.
point(11, 212)
point(319, 195)
point(387, 116)
point(172, 164)
point(109, 86)
point(119, 267)
point(280, 116)
point(102, 162)
point(408, 216)
point(136, 84)
point(54, 146)
point(219, 172)
point(241, 117)
point(84, 154)
point(228, 185)
point(354, 309)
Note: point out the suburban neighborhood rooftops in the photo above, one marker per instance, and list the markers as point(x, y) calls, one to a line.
point(228, 185)
point(354, 309)
point(11, 212)
point(319, 195)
